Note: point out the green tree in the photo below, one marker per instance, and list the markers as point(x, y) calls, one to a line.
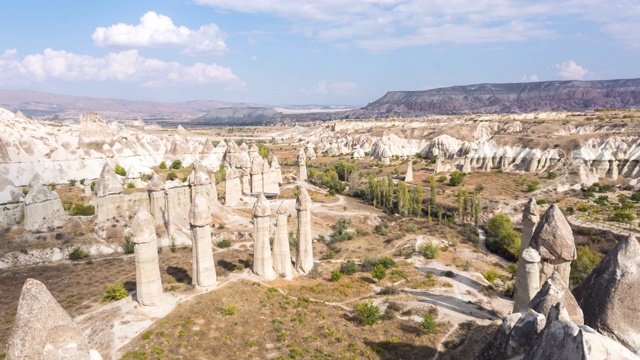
point(348, 267)
point(176, 164)
point(432, 201)
point(502, 238)
point(402, 196)
point(340, 232)
point(456, 178)
point(416, 200)
point(429, 250)
point(379, 272)
point(172, 175)
point(344, 169)
point(163, 165)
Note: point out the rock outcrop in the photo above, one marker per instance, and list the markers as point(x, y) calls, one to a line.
point(42, 208)
point(11, 203)
point(561, 339)
point(43, 330)
point(262, 260)
point(530, 218)
point(609, 295)
point(204, 268)
point(233, 189)
point(302, 165)
point(304, 253)
point(553, 239)
point(281, 252)
point(514, 336)
point(554, 291)
point(408, 176)
point(527, 279)
point(148, 281)
point(108, 183)
point(157, 200)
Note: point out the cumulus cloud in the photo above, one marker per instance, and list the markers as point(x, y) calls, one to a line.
point(157, 30)
point(124, 66)
point(344, 88)
point(569, 70)
point(529, 78)
point(321, 88)
point(387, 24)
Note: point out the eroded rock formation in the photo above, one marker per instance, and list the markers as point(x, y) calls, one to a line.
point(262, 260)
point(43, 330)
point(281, 253)
point(204, 269)
point(148, 282)
point(304, 253)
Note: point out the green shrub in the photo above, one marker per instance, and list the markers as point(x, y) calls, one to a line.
point(78, 254)
point(229, 309)
point(336, 275)
point(491, 275)
point(176, 164)
point(330, 254)
point(131, 185)
point(120, 170)
point(456, 178)
point(533, 186)
point(379, 272)
point(381, 229)
point(172, 175)
point(428, 324)
point(552, 175)
point(163, 165)
point(73, 182)
point(349, 267)
point(340, 232)
point(429, 250)
point(221, 226)
point(82, 210)
point(223, 244)
point(584, 263)
point(387, 262)
point(129, 246)
point(368, 313)
point(115, 292)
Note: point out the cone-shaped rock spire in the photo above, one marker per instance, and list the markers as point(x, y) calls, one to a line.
point(262, 260)
point(148, 281)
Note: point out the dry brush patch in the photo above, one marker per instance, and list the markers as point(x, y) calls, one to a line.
point(268, 324)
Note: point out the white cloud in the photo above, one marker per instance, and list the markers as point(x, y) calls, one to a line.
point(321, 88)
point(529, 78)
point(125, 66)
point(344, 88)
point(387, 24)
point(157, 30)
point(9, 54)
point(569, 70)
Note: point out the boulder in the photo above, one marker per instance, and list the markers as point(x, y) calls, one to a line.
point(43, 330)
point(554, 291)
point(609, 295)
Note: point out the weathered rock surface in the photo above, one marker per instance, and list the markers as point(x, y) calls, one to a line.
point(148, 281)
point(281, 253)
point(233, 189)
point(527, 279)
point(554, 291)
point(262, 260)
point(553, 239)
point(204, 268)
point(42, 208)
point(304, 253)
point(530, 218)
point(561, 339)
point(514, 336)
point(42, 330)
point(609, 295)
point(108, 183)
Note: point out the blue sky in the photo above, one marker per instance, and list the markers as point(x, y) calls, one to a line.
point(284, 52)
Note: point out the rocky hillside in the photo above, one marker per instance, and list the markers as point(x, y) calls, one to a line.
point(508, 98)
point(237, 116)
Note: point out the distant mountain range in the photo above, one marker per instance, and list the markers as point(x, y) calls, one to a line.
point(508, 98)
point(468, 99)
point(41, 104)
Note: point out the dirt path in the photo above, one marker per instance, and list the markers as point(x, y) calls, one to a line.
point(440, 347)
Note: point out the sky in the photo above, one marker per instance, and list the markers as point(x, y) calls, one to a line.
point(325, 52)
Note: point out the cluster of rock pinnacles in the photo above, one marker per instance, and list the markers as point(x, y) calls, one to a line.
point(597, 320)
point(42, 328)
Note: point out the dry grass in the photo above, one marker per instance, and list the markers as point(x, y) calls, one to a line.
point(268, 324)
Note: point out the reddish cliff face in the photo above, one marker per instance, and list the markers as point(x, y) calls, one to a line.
point(510, 98)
